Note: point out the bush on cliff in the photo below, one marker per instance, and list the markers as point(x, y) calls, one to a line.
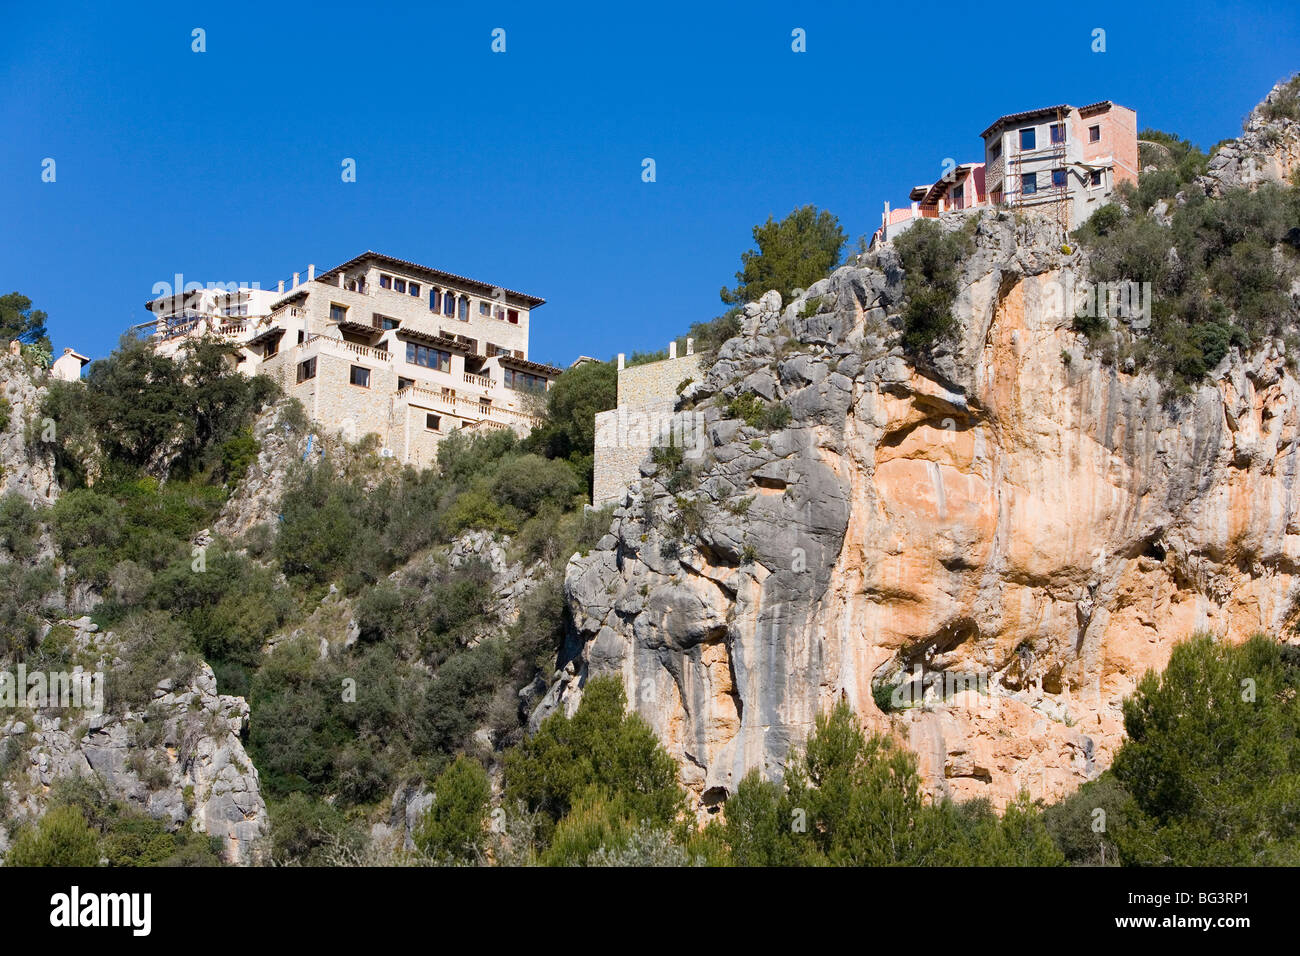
point(1219, 272)
point(455, 825)
point(932, 260)
point(792, 254)
point(604, 747)
point(1212, 758)
point(854, 800)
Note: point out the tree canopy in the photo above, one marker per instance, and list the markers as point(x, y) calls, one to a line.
point(18, 320)
point(792, 254)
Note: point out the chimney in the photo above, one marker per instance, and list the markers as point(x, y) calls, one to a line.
point(295, 280)
point(341, 278)
point(672, 349)
point(620, 361)
point(690, 346)
point(280, 287)
point(311, 271)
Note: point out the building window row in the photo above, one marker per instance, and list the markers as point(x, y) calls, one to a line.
point(428, 357)
point(524, 382)
point(399, 285)
point(448, 303)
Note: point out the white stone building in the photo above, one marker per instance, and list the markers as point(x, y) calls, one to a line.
point(379, 345)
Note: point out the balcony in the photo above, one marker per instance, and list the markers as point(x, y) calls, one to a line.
point(339, 347)
point(470, 409)
point(482, 381)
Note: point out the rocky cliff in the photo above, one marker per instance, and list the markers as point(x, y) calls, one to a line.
point(982, 551)
point(180, 760)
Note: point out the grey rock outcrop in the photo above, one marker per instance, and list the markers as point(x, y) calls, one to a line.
point(26, 468)
point(1047, 528)
point(1267, 152)
point(180, 760)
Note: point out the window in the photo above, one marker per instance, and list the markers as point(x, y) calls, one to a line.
point(415, 289)
point(359, 375)
point(1059, 178)
point(433, 422)
point(404, 382)
point(428, 357)
point(996, 152)
point(512, 316)
point(448, 303)
point(1094, 134)
point(484, 308)
point(1029, 183)
point(435, 301)
point(523, 382)
point(1028, 138)
point(1094, 178)
point(959, 197)
point(383, 322)
point(463, 311)
point(307, 369)
point(301, 336)
point(338, 313)
point(271, 349)
point(385, 282)
point(399, 285)
point(1058, 132)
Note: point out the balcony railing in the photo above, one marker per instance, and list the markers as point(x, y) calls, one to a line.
point(482, 381)
point(341, 347)
point(468, 408)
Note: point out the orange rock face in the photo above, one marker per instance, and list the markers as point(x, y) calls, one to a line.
point(1021, 520)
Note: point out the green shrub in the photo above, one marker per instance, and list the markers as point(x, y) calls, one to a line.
point(1287, 103)
point(931, 258)
point(237, 453)
point(601, 746)
point(748, 407)
point(1212, 756)
point(20, 526)
point(455, 825)
point(310, 832)
point(61, 838)
point(155, 646)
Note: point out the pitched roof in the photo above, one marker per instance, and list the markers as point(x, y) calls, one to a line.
point(403, 265)
point(524, 365)
point(1092, 108)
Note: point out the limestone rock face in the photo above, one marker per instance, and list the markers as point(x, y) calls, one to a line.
point(982, 555)
point(256, 501)
point(180, 760)
point(27, 469)
point(1268, 151)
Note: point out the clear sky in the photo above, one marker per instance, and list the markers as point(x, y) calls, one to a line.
point(524, 168)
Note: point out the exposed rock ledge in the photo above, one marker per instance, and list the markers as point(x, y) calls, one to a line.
point(1045, 523)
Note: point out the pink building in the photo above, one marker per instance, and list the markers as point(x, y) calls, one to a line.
point(1062, 161)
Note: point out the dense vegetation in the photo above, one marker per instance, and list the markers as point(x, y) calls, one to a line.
point(931, 258)
point(420, 682)
point(1220, 268)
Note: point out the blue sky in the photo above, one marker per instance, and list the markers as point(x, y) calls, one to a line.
point(524, 168)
